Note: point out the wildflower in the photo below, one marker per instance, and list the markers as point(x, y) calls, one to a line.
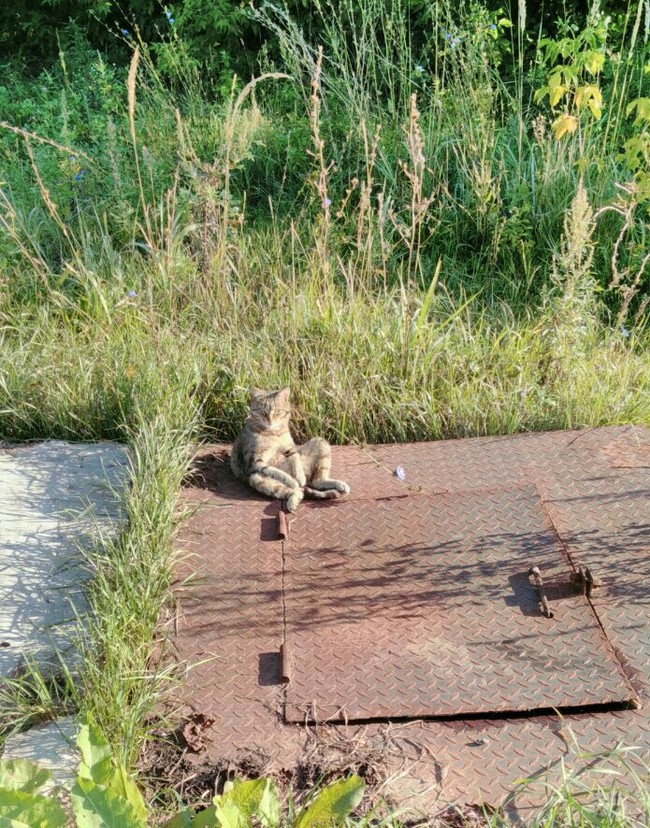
point(419, 69)
point(399, 473)
point(125, 32)
point(624, 332)
point(327, 202)
point(72, 158)
point(169, 17)
point(132, 294)
point(493, 27)
point(80, 175)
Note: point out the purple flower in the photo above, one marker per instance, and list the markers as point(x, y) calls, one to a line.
point(80, 175)
point(132, 294)
point(625, 332)
point(399, 473)
point(328, 202)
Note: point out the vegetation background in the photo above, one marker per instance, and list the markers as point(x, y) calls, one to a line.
point(429, 218)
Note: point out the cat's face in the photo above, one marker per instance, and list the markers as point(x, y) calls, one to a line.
point(269, 410)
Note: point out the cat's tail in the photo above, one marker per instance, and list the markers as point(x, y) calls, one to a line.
point(321, 494)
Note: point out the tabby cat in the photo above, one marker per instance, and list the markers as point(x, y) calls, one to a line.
point(265, 456)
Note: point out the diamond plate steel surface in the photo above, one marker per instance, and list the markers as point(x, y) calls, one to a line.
point(366, 477)
point(422, 606)
point(229, 627)
point(594, 484)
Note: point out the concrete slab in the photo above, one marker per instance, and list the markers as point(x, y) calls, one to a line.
point(52, 746)
point(594, 489)
point(57, 499)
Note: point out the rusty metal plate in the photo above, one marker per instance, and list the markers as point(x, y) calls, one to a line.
point(366, 476)
point(423, 606)
point(229, 621)
point(595, 485)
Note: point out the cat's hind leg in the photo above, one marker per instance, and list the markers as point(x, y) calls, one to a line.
point(317, 460)
point(274, 488)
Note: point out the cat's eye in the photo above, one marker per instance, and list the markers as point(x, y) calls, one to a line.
point(259, 409)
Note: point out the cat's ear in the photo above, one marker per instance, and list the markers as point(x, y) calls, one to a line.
point(283, 396)
point(255, 394)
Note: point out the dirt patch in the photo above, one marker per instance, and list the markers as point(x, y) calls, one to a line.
point(174, 774)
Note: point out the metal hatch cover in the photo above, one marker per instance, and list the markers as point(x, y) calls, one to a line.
point(423, 606)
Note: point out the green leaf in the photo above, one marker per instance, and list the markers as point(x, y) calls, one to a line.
point(635, 149)
point(642, 107)
point(95, 806)
point(96, 755)
point(570, 75)
point(22, 775)
point(244, 799)
point(183, 819)
point(594, 62)
point(122, 785)
point(268, 810)
point(230, 815)
point(564, 125)
point(557, 93)
point(541, 93)
point(332, 804)
point(97, 765)
point(20, 809)
point(206, 819)
point(590, 95)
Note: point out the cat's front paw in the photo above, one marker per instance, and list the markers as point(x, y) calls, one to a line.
point(342, 488)
point(293, 501)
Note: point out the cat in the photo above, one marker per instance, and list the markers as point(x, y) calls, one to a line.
point(265, 456)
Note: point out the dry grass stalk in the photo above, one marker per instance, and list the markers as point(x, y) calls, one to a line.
point(625, 281)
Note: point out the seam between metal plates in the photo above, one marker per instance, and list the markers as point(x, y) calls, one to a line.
point(629, 675)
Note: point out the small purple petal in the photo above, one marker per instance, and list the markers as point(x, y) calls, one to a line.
point(328, 202)
point(132, 294)
point(399, 473)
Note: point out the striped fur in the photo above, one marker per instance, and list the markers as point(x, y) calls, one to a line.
point(265, 456)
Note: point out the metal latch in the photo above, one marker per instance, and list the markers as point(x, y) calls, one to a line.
point(541, 594)
point(582, 581)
